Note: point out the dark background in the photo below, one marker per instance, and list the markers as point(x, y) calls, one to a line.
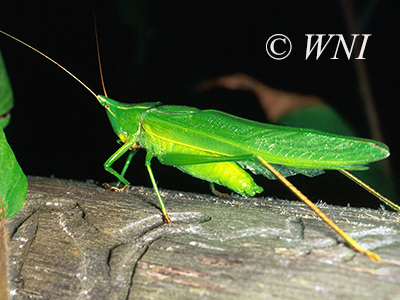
point(160, 52)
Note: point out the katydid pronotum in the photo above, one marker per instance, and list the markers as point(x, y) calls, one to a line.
point(205, 144)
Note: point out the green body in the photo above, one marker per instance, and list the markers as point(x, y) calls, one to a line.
point(217, 147)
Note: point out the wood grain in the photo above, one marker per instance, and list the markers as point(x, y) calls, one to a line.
point(75, 240)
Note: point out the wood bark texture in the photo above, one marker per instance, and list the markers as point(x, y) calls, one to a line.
point(76, 240)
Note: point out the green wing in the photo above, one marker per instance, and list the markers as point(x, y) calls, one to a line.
point(249, 162)
point(297, 150)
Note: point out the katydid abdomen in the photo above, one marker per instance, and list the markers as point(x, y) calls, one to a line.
point(180, 131)
point(227, 174)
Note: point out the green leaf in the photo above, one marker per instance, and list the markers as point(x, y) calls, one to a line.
point(13, 182)
point(6, 95)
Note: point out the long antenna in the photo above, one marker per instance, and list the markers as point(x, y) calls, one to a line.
point(98, 55)
point(52, 60)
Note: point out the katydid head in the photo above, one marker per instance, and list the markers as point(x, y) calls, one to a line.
point(124, 117)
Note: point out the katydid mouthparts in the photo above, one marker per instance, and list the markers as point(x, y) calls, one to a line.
point(204, 144)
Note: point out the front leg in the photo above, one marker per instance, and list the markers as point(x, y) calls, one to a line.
point(107, 165)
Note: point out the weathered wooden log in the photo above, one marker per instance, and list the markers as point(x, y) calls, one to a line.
point(75, 240)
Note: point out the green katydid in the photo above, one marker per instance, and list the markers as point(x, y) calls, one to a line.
point(217, 147)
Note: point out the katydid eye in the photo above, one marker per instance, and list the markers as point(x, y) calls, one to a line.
point(107, 106)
